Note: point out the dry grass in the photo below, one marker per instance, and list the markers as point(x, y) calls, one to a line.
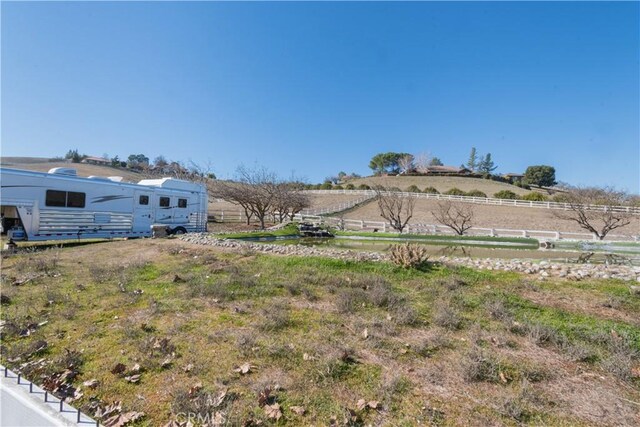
point(322, 334)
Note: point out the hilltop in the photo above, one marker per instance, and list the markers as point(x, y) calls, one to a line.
point(40, 164)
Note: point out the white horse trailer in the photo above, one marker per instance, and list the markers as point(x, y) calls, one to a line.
point(60, 205)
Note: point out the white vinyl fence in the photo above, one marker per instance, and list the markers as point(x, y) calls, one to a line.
point(482, 200)
point(435, 229)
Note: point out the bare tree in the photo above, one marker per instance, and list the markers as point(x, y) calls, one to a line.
point(457, 216)
point(594, 209)
point(395, 208)
point(405, 163)
point(422, 162)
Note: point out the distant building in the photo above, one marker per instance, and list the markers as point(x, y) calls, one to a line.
point(96, 161)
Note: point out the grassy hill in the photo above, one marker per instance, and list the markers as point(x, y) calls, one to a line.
point(441, 183)
point(43, 165)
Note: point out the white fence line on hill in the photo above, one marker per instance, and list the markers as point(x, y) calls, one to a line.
point(483, 200)
point(363, 225)
point(336, 208)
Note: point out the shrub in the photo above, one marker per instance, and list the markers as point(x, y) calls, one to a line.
point(505, 194)
point(338, 187)
point(274, 317)
point(326, 186)
point(476, 193)
point(448, 317)
point(431, 190)
point(455, 192)
point(364, 187)
point(350, 187)
point(535, 197)
point(408, 255)
point(413, 189)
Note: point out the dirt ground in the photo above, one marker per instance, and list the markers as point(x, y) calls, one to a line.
point(506, 217)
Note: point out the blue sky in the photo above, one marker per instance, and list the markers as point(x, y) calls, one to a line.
point(315, 88)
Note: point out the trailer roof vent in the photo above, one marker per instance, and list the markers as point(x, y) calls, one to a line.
point(64, 171)
point(115, 178)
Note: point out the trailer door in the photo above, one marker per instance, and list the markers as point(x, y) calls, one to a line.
point(143, 211)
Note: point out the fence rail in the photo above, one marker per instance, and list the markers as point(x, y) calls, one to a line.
point(65, 410)
point(364, 225)
point(484, 200)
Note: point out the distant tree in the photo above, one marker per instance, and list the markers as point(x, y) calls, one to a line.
point(73, 155)
point(394, 207)
point(436, 162)
point(594, 209)
point(160, 161)
point(486, 165)
point(342, 175)
point(457, 216)
point(541, 175)
point(386, 163)
point(137, 160)
point(472, 163)
point(115, 161)
point(332, 179)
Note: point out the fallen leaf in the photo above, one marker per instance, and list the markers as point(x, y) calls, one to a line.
point(166, 363)
point(264, 396)
point(193, 391)
point(298, 410)
point(273, 411)
point(93, 383)
point(188, 368)
point(243, 369)
point(121, 420)
point(361, 404)
point(365, 333)
point(503, 378)
point(373, 404)
point(133, 378)
point(118, 369)
point(136, 368)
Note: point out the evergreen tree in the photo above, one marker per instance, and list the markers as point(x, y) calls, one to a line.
point(486, 165)
point(472, 163)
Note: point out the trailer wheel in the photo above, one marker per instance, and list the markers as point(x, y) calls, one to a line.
point(178, 231)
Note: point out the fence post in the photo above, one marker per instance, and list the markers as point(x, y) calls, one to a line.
point(524, 233)
point(384, 227)
point(492, 233)
point(557, 235)
point(361, 225)
point(222, 216)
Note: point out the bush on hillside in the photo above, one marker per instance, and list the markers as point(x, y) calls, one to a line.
point(338, 187)
point(430, 190)
point(413, 189)
point(364, 187)
point(505, 194)
point(561, 198)
point(476, 193)
point(535, 197)
point(350, 187)
point(396, 189)
point(455, 192)
point(326, 186)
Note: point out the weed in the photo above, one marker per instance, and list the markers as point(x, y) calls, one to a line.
point(275, 316)
point(451, 283)
point(349, 300)
point(522, 406)
point(409, 255)
point(429, 346)
point(448, 317)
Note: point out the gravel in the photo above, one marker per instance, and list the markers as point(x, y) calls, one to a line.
point(541, 270)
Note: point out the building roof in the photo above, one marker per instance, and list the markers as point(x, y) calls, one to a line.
point(96, 159)
point(449, 169)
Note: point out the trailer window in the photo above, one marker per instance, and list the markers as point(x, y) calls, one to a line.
point(75, 200)
point(144, 200)
point(63, 199)
point(164, 202)
point(182, 203)
point(56, 198)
